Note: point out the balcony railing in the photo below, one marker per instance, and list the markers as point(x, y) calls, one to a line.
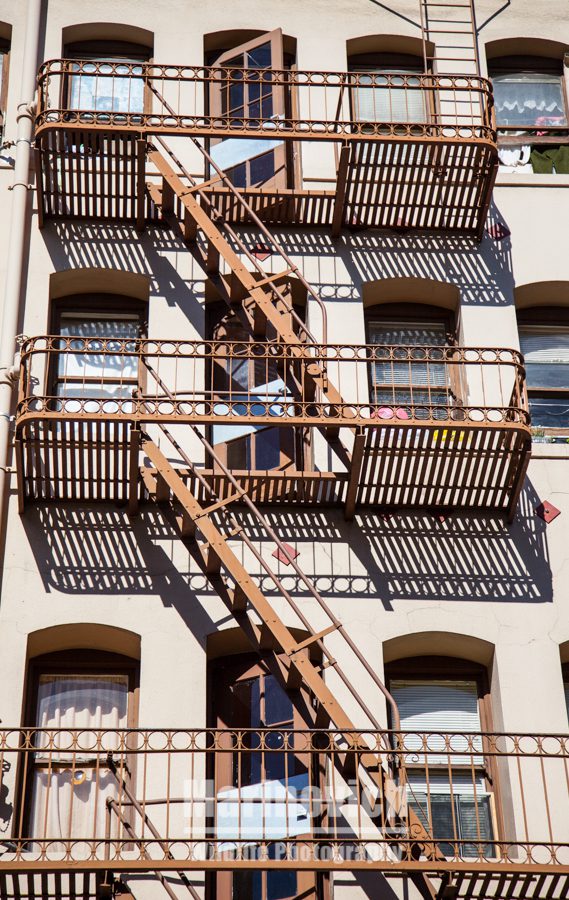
point(438, 427)
point(337, 105)
point(230, 384)
point(146, 800)
point(395, 150)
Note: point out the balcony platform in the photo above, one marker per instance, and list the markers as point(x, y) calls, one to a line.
point(460, 439)
point(436, 175)
point(470, 468)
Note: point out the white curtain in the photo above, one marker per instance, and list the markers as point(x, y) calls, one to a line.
point(69, 790)
point(529, 98)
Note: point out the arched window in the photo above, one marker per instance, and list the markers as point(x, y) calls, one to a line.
point(450, 782)
point(76, 690)
point(401, 382)
point(101, 87)
point(244, 693)
point(252, 162)
point(544, 342)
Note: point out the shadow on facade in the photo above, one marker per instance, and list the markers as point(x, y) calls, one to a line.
point(411, 555)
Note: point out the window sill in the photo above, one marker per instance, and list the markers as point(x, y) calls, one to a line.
point(549, 451)
point(510, 179)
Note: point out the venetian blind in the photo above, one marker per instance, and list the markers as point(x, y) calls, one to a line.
point(408, 334)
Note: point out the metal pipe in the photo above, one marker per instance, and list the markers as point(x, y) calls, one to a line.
point(18, 224)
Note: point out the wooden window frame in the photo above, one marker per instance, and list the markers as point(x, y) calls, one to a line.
point(546, 315)
point(98, 50)
point(289, 154)
point(450, 668)
point(77, 661)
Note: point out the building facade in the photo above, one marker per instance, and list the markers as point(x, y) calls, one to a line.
point(285, 442)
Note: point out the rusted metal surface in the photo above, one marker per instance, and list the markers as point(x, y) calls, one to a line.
point(197, 791)
point(440, 426)
point(436, 173)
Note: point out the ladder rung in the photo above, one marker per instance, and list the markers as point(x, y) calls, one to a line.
point(271, 279)
point(314, 638)
point(221, 503)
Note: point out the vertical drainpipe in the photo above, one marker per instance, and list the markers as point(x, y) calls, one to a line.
point(18, 228)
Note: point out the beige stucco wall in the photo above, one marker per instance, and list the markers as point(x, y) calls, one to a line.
point(478, 578)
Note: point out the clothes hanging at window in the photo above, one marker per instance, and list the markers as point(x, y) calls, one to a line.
point(554, 160)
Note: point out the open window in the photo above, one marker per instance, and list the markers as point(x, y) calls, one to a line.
point(107, 76)
point(67, 790)
point(96, 356)
point(413, 377)
point(544, 342)
point(531, 111)
point(242, 377)
point(450, 782)
point(261, 795)
point(379, 98)
point(247, 97)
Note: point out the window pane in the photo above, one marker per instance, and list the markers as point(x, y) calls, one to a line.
point(440, 706)
point(278, 705)
point(549, 412)
point(96, 374)
point(260, 57)
point(267, 448)
point(529, 98)
point(391, 379)
point(102, 92)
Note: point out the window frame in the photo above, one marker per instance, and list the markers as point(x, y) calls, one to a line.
point(91, 304)
point(556, 316)
point(449, 668)
point(417, 312)
point(565, 678)
point(295, 446)
point(76, 661)
point(527, 64)
point(287, 158)
point(392, 62)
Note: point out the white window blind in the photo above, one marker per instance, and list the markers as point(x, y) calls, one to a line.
point(443, 706)
point(390, 103)
point(404, 374)
point(426, 705)
point(544, 344)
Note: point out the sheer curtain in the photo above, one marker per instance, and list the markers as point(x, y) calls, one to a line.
point(529, 98)
point(69, 789)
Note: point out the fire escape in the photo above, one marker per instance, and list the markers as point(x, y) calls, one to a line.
point(461, 441)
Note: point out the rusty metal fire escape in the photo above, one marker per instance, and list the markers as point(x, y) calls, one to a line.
point(213, 525)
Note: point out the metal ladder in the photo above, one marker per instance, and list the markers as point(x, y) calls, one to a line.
point(449, 37)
